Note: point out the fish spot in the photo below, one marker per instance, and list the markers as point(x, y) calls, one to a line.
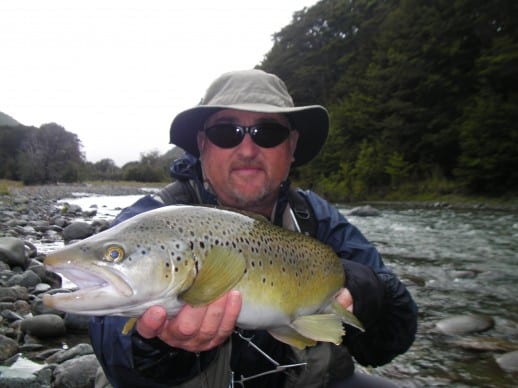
point(162, 247)
point(202, 244)
point(176, 269)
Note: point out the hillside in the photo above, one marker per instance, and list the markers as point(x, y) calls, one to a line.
point(7, 121)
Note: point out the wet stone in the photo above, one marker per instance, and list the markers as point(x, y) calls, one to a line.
point(76, 322)
point(43, 326)
point(12, 251)
point(365, 211)
point(465, 324)
point(26, 279)
point(77, 231)
point(12, 294)
point(8, 347)
point(78, 372)
point(508, 361)
point(65, 355)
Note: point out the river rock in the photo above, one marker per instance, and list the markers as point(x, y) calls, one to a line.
point(71, 209)
point(65, 355)
point(24, 373)
point(508, 361)
point(48, 277)
point(365, 211)
point(77, 231)
point(8, 347)
point(12, 294)
point(78, 372)
point(465, 324)
point(76, 322)
point(12, 251)
point(26, 279)
point(43, 326)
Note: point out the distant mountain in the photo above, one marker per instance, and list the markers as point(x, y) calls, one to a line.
point(7, 121)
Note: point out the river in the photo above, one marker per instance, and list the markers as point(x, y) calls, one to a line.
point(454, 262)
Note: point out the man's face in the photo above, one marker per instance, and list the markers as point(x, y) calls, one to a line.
point(246, 176)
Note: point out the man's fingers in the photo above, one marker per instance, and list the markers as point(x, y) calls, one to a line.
point(151, 322)
point(345, 298)
point(232, 309)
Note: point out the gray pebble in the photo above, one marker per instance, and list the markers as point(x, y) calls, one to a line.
point(43, 326)
point(8, 347)
point(508, 361)
point(77, 231)
point(12, 251)
point(78, 372)
point(465, 324)
point(365, 211)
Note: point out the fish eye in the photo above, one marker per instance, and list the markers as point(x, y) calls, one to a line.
point(114, 254)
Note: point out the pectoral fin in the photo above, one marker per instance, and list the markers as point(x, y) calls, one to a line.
point(320, 327)
point(346, 316)
point(221, 270)
point(291, 337)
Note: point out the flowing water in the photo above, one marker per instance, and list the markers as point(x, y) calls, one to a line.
point(454, 262)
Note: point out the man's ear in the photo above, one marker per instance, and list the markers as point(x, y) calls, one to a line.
point(200, 139)
point(293, 139)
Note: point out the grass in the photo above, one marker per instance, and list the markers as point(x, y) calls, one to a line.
point(6, 185)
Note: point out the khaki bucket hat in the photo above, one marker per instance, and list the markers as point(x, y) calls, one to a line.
point(254, 91)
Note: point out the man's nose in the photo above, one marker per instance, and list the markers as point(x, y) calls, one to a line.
point(247, 146)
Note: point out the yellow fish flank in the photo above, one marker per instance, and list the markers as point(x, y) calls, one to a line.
point(178, 255)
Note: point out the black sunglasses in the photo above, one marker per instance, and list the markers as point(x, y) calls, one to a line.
point(266, 135)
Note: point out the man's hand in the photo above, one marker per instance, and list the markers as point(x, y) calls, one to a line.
point(345, 298)
point(194, 329)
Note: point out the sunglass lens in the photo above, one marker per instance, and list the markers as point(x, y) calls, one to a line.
point(269, 135)
point(264, 135)
point(225, 135)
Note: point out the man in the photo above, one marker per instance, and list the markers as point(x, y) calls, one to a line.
point(241, 142)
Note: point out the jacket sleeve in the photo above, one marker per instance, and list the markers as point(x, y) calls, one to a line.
point(381, 301)
point(130, 360)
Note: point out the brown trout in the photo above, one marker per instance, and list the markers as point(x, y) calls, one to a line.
point(178, 255)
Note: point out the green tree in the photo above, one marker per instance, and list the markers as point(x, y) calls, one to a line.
point(50, 154)
point(11, 138)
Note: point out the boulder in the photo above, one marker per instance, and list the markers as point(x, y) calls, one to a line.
point(43, 326)
point(12, 251)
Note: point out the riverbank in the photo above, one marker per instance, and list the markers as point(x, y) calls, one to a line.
point(436, 250)
point(41, 347)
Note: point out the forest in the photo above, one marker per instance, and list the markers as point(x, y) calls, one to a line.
point(422, 95)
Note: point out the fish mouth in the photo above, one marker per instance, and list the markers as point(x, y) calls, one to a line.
point(96, 289)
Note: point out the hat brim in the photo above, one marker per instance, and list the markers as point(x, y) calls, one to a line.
point(312, 123)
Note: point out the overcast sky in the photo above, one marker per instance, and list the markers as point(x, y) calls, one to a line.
point(116, 72)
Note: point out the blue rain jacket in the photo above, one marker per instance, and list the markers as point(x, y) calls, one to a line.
point(381, 302)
